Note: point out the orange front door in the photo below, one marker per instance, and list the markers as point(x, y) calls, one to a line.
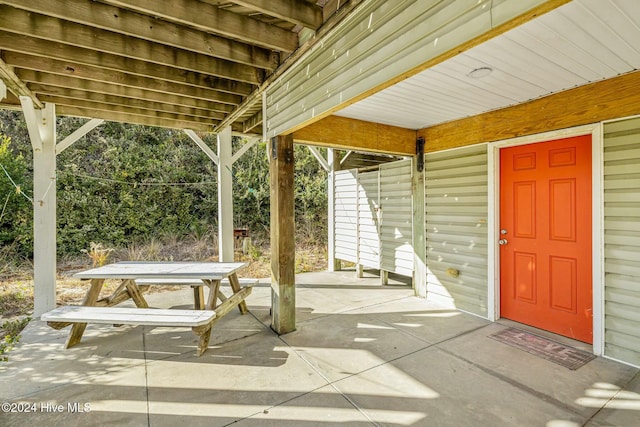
point(545, 232)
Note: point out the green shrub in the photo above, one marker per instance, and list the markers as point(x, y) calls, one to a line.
point(123, 184)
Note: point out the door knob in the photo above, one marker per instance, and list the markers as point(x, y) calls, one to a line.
point(502, 241)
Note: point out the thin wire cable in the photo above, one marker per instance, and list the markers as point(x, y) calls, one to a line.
point(18, 189)
point(142, 184)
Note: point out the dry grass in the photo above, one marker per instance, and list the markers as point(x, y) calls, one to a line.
point(16, 278)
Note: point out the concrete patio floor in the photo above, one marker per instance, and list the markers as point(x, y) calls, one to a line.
point(363, 355)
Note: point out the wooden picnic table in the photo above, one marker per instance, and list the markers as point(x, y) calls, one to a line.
point(211, 274)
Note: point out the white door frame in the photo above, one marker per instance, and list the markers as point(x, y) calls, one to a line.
point(493, 156)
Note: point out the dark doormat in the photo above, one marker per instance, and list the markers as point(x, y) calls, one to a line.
point(552, 351)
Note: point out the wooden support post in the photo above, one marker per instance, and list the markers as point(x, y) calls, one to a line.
point(225, 196)
point(41, 125)
point(334, 164)
point(384, 277)
point(419, 233)
point(283, 287)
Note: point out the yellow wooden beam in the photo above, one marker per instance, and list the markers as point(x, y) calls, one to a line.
point(592, 103)
point(351, 134)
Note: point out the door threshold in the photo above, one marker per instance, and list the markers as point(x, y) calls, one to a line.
point(548, 335)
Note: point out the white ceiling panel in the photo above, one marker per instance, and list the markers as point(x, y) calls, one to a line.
point(579, 43)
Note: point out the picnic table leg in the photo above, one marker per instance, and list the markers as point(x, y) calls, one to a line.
point(77, 329)
point(198, 297)
point(135, 294)
point(212, 300)
point(204, 332)
point(235, 285)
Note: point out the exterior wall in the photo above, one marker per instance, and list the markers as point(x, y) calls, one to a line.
point(374, 217)
point(368, 220)
point(396, 224)
point(346, 215)
point(622, 240)
point(456, 212)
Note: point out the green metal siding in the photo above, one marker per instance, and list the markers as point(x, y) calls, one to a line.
point(368, 219)
point(346, 215)
point(396, 220)
point(622, 240)
point(456, 211)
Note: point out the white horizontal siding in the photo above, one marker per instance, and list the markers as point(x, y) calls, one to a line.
point(396, 224)
point(622, 240)
point(368, 222)
point(456, 211)
point(346, 215)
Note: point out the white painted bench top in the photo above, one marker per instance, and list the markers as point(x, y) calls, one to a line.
point(130, 316)
point(191, 282)
point(163, 269)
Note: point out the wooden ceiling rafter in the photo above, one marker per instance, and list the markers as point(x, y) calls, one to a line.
point(214, 20)
point(74, 56)
point(305, 14)
point(196, 64)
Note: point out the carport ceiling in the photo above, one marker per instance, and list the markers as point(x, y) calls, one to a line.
point(581, 42)
point(180, 63)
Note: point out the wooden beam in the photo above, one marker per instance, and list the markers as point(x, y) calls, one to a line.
point(11, 102)
point(331, 21)
point(283, 287)
point(77, 134)
point(351, 134)
point(40, 81)
point(15, 85)
point(252, 122)
point(298, 12)
point(20, 22)
point(318, 155)
point(98, 16)
point(68, 60)
point(64, 110)
point(203, 146)
point(52, 68)
point(127, 110)
point(44, 204)
point(247, 145)
point(34, 121)
point(101, 101)
point(592, 103)
point(213, 19)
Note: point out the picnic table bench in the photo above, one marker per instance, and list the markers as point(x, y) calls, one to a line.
point(200, 321)
point(195, 274)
